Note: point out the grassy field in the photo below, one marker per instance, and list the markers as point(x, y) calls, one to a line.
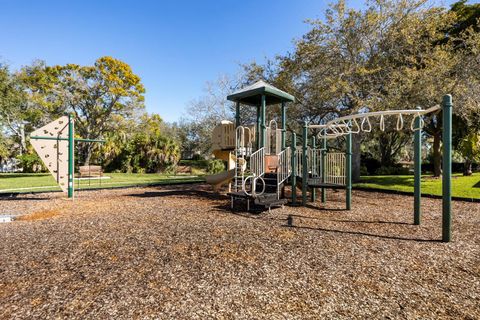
point(465, 187)
point(26, 182)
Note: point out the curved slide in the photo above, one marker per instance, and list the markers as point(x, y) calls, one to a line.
point(219, 179)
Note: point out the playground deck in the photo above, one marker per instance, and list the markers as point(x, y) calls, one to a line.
point(178, 252)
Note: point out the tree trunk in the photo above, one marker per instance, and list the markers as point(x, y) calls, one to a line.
point(437, 156)
point(356, 156)
point(23, 140)
point(467, 168)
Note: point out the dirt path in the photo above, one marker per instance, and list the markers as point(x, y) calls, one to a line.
point(177, 252)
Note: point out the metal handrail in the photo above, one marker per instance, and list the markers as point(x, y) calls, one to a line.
point(284, 168)
point(257, 162)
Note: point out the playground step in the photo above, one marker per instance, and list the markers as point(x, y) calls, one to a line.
point(269, 200)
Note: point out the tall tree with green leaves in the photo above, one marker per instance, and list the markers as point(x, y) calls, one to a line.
point(94, 94)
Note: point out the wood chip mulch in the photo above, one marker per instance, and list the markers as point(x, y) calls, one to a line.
point(177, 252)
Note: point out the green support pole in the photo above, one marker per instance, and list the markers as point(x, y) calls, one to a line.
point(237, 114)
point(284, 125)
point(314, 165)
point(324, 155)
point(447, 169)
point(348, 195)
point(294, 168)
point(259, 122)
point(70, 156)
point(264, 127)
point(417, 164)
point(304, 165)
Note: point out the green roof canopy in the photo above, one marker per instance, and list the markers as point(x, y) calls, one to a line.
point(252, 94)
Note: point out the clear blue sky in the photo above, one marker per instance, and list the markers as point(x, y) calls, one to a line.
point(174, 46)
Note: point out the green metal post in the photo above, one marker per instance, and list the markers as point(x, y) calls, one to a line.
point(264, 127)
point(259, 122)
point(284, 125)
point(314, 165)
point(447, 169)
point(304, 165)
point(237, 114)
point(294, 168)
point(324, 155)
point(417, 164)
point(348, 195)
point(70, 156)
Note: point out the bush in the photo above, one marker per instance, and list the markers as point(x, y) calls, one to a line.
point(215, 166)
point(198, 157)
point(364, 171)
point(371, 165)
point(393, 170)
point(31, 162)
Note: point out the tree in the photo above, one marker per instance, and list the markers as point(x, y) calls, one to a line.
point(139, 145)
point(17, 116)
point(204, 113)
point(470, 149)
point(95, 94)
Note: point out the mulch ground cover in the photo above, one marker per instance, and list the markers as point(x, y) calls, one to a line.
point(179, 252)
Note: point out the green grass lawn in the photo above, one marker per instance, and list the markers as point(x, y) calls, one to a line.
point(465, 187)
point(27, 182)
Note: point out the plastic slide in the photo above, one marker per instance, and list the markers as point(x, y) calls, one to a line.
point(219, 179)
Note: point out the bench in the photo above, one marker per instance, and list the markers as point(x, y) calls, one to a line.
point(90, 171)
point(184, 170)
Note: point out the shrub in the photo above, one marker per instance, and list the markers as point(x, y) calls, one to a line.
point(393, 170)
point(371, 165)
point(31, 162)
point(215, 166)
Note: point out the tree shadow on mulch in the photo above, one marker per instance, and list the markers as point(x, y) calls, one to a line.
point(350, 221)
point(198, 193)
point(21, 198)
point(290, 224)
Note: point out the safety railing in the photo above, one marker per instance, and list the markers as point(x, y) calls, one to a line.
point(299, 161)
point(335, 168)
point(284, 168)
point(315, 162)
point(257, 162)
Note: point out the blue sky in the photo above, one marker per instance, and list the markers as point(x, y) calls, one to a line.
point(174, 46)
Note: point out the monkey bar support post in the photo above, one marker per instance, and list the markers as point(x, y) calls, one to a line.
point(417, 159)
point(70, 156)
point(447, 169)
point(348, 190)
point(314, 165)
point(324, 155)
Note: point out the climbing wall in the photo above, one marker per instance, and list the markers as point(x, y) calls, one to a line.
point(54, 153)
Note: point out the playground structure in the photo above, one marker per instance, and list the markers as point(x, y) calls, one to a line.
point(55, 145)
point(260, 163)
